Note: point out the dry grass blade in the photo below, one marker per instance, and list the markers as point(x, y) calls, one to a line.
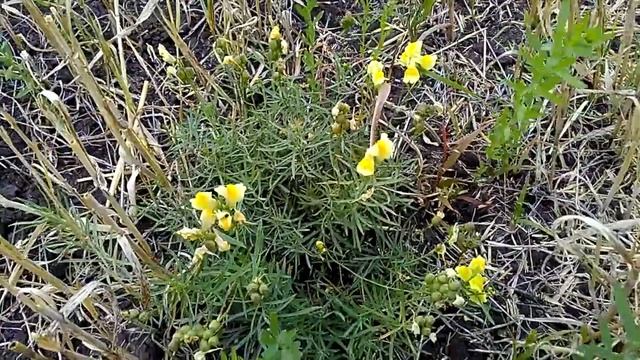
point(383, 95)
point(23, 350)
point(66, 326)
point(461, 147)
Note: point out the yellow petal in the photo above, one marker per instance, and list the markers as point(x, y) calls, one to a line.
point(320, 247)
point(413, 49)
point(275, 34)
point(188, 233)
point(366, 166)
point(405, 60)
point(411, 75)
point(232, 193)
point(374, 67)
point(427, 62)
point(464, 272)
point(477, 283)
point(225, 221)
point(204, 200)
point(384, 147)
point(207, 219)
point(378, 78)
point(478, 264)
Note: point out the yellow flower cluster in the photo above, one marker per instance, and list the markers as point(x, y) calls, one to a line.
point(277, 43)
point(381, 150)
point(411, 58)
point(214, 212)
point(473, 276)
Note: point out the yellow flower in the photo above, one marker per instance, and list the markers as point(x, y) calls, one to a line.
point(366, 166)
point(204, 200)
point(375, 69)
point(165, 55)
point(239, 217)
point(225, 221)
point(411, 75)
point(411, 53)
point(223, 245)
point(427, 62)
point(232, 193)
point(478, 264)
point(479, 298)
point(477, 283)
point(228, 60)
point(172, 71)
point(441, 249)
point(207, 219)
point(284, 47)
point(464, 272)
point(321, 247)
point(275, 34)
point(383, 148)
point(411, 59)
point(189, 233)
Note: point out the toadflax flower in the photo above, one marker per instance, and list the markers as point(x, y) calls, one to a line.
point(225, 221)
point(189, 233)
point(275, 35)
point(381, 150)
point(222, 244)
point(207, 219)
point(232, 193)
point(464, 272)
point(411, 59)
point(478, 264)
point(203, 201)
point(367, 166)
point(375, 69)
point(477, 283)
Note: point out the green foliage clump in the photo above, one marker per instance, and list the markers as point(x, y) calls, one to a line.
point(550, 63)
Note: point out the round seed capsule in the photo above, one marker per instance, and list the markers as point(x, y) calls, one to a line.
point(213, 341)
point(144, 316)
point(419, 320)
point(454, 285)
point(264, 289)
point(436, 296)
point(211, 245)
point(429, 278)
point(183, 330)
point(199, 329)
point(133, 313)
point(451, 295)
point(255, 298)
point(207, 334)
point(444, 288)
point(204, 345)
point(174, 345)
point(215, 325)
point(429, 319)
point(425, 331)
point(442, 278)
point(253, 287)
point(192, 334)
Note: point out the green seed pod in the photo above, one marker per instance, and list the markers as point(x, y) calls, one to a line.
point(429, 278)
point(454, 285)
point(191, 334)
point(199, 329)
point(264, 289)
point(255, 298)
point(215, 325)
point(444, 288)
point(429, 319)
point(425, 331)
point(442, 278)
point(183, 330)
point(204, 345)
point(211, 245)
point(174, 345)
point(213, 341)
point(253, 287)
point(134, 313)
point(436, 296)
point(144, 316)
point(419, 320)
point(207, 334)
point(451, 295)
